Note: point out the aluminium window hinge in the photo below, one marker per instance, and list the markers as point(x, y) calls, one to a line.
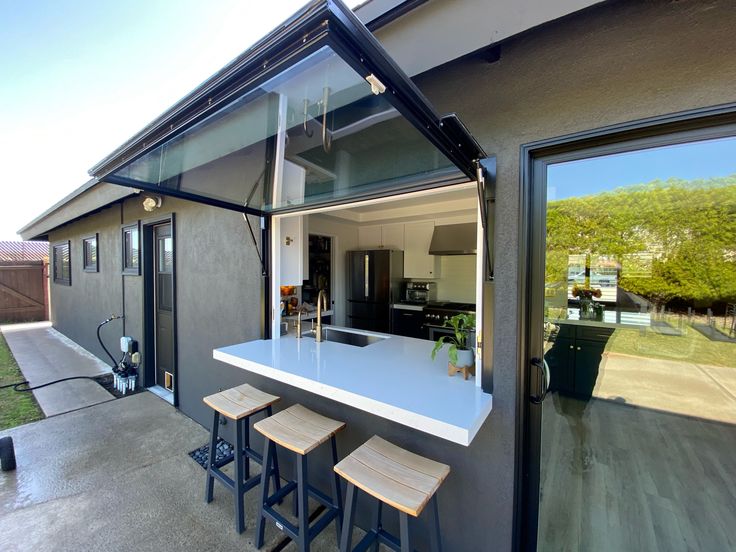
point(377, 87)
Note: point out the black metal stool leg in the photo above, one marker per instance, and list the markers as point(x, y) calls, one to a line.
point(302, 495)
point(238, 479)
point(267, 447)
point(246, 431)
point(404, 532)
point(336, 494)
point(210, 483)
point(346, 540)
point(376, 522)
point(276, 472)
point(434, 530)
point(295, 499)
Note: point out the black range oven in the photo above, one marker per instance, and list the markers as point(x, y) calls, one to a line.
point(437, 312)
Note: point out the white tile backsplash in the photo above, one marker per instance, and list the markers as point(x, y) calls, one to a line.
point(458, 279)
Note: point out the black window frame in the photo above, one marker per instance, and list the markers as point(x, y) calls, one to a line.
point(130, 270)
point(86, 265)
point(320, 23)
point(56, 258)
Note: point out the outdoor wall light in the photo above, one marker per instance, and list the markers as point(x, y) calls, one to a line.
point(151, 203)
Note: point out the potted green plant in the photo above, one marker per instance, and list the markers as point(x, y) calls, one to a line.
point(460, 351)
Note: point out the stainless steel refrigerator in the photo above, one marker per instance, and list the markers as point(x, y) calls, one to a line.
point(374, 279)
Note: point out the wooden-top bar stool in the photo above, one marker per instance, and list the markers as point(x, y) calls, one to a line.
point(299, 430)
point(396, 477)
point(238, 404)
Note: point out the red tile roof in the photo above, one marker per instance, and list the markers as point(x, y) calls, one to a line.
point(23, 250)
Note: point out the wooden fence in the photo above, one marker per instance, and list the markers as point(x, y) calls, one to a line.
point(24, 291)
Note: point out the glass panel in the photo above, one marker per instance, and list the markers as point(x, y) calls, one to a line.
point(640, 337)
point(131, 249)
point(337, 137)
point(165, 255)
point(62, 264)
point(90, 253)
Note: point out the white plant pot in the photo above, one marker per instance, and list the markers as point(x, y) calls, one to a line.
point(465, 357)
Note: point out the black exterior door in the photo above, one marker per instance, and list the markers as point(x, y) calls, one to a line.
point(163, 278)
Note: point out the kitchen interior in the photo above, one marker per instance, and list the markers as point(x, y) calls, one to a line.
point(399, 267)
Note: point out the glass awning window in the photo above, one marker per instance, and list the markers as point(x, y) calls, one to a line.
point(333, 121)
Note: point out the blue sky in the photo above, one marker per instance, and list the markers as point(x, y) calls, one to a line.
point(79, 77)
point(687, 161)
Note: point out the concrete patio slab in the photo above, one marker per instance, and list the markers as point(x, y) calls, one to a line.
point(676, 386)
point(117, 477)
point(44, 355)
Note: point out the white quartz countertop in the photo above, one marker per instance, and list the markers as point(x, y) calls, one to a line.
point(394, 378)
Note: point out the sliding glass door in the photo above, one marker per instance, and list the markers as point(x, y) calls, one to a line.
point(634, 319)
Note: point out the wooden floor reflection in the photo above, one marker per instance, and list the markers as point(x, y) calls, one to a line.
point(621, 478)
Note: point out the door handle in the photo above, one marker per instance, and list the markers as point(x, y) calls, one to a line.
point(366, 268)
point(541, 364)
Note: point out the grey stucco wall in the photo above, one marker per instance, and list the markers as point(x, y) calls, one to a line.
point(218, 280)
point(613, 63)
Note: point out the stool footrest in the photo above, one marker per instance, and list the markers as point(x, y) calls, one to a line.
point(226, 480)
point(281, 494)
point(323, 521)
point(281, 522)
point(331, 511)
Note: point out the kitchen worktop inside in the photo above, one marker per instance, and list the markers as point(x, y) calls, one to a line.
point(612, 318)
point(394, 378)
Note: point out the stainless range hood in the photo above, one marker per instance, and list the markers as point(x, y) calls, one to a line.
point(454, 239)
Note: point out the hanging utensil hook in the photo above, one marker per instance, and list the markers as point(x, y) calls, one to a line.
point(326, 137)
point(308, 132)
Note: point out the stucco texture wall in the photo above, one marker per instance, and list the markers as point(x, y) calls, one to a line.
point(218, 288)
point(613, 63)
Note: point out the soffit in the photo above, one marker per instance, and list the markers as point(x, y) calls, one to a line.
point(439, 31)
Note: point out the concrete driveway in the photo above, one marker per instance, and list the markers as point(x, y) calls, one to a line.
point(117, 477)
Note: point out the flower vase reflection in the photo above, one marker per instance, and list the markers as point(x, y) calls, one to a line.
point(586, 309)
point(589, 309)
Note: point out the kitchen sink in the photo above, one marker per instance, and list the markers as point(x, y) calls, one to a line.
point(348, 338)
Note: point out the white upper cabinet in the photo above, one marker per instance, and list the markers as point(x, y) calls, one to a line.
point(392, 236)
point(418, 263)
point(369, 237)
point(387, 236)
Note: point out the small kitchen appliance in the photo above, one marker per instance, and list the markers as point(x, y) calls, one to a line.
point(419, 293)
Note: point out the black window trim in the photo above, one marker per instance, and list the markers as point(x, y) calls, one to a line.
point(126, 270)
point(87, 267)
point(55, 259)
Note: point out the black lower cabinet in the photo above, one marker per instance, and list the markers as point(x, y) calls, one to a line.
point(408, 323)
point(574, 359)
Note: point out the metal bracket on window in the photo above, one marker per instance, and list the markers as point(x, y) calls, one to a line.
point(482, 199)
point(326, 136)
point(308, 132)
point(264, 271)
point(377, 87)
